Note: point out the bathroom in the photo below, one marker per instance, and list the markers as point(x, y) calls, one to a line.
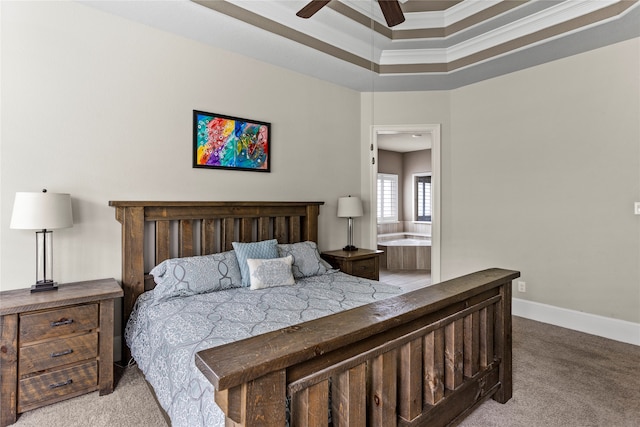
point(404, 204)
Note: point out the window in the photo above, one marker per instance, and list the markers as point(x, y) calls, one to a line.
point(422, 197)
point(387, 197)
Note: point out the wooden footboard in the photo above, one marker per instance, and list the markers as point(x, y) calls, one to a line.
point(427, 357)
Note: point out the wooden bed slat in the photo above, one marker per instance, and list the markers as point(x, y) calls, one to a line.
point(208, 237)
point(472, 344)
point(263, 228)
point(410, 379)
point(246, 229)
point(294, 230)
point(434, 366)
point(348, 399)
point(453, 337)
point(309, 406)
point(228, 234)
point(383, 390)
point(280, 229)
point(186, 238)
point(162, 241)
point(486, 336)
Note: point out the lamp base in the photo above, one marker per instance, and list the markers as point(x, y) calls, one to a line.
point(349, 248)
point(45, 286)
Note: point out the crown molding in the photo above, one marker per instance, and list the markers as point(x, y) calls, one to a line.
point(556, 15)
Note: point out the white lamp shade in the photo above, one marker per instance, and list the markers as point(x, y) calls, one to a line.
point(39, 211)
point(349, 207)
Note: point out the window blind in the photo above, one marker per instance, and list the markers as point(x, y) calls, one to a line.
point(387, 198)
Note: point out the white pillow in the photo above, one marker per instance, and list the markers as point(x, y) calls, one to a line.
point(267, 273)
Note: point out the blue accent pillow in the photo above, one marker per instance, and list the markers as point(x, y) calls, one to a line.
point(266, 249)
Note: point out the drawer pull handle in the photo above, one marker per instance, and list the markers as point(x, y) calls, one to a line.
point(61, 322)
point(56, 385)
point(62, 353)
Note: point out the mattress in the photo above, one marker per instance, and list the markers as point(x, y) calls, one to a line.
point(165, 335)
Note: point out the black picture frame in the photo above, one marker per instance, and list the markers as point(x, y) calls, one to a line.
point(228, 142)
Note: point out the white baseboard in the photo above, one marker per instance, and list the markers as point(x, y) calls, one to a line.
point(615, 329)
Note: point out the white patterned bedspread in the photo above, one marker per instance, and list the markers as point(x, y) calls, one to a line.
point(165, 336)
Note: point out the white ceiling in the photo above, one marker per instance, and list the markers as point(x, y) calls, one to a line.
point(461, 42)
point(404, 142)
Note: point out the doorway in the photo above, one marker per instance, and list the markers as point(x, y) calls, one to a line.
point(403, 138)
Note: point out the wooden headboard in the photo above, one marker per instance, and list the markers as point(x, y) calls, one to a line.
point(155, 231)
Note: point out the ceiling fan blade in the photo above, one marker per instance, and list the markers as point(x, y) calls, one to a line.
point(311, 8)
point(392, 12)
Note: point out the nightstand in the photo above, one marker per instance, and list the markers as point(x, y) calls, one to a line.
point(362, 262)
point(55, 345)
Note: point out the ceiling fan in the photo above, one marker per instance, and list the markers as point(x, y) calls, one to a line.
point(390, 9)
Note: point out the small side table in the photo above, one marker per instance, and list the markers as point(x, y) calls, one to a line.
point(362, 262)
point(55, 345)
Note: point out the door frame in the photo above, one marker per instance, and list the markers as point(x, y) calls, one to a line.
point(434, 130)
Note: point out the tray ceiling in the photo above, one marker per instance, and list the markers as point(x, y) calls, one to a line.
point(443, 44)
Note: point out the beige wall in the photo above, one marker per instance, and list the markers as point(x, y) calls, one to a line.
point(540, 169)
point(390, 162)
point(550, 156)
point(100, 107)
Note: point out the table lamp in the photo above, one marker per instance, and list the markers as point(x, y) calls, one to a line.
point(349, 207)
point(44, 212)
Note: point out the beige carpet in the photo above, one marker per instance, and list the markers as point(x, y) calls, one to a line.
point(561, 378)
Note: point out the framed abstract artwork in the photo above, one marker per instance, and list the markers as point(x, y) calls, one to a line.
point(225, 142)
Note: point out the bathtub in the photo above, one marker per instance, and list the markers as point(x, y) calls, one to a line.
point(405, 251)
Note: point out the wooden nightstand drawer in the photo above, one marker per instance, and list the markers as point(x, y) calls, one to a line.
point(37, 390)
point(364, 268)
point(362, 262)
point(57, 352)
point(56, 323)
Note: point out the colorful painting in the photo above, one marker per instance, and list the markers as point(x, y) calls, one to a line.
point(224, 142)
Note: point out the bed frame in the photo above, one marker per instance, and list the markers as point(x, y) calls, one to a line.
point(427, 357)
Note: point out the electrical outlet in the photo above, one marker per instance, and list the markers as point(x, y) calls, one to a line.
point(522, 286)
point(636, 208)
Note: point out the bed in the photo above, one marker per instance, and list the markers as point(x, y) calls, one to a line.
point(382, 358)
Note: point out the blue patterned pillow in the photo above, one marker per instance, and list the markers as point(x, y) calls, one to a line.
point(256, 250)
point(267, 273)
point(306, 259)
point(196, 275)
